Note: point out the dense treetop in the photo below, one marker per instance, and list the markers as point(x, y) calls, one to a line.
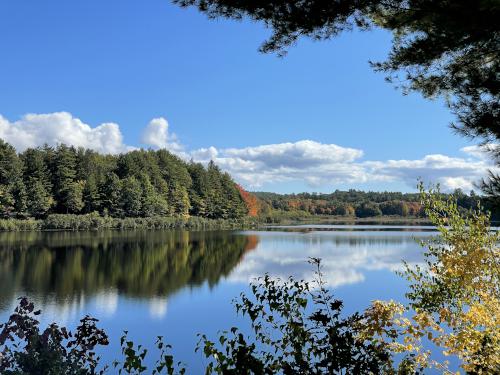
point(139, 183)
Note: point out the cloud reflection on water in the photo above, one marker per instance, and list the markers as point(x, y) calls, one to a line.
point(67, 274)
point(346, 256)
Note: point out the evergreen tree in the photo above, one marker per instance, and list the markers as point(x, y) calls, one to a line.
point(131, 196)
point(152, 202)
point(64, 173)
point(179, 199)
point(234, 204)
point(74, 196)
point(35, 167)
point(20, 196)
point(139, 183)
point(198, 190)
point(39, 200)
point(173, 169)
point(111, 193)
point(214, 202)
point(38, 184)
point(10, 175)
point(91, 196)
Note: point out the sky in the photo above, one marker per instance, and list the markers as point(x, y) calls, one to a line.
point(117, 75)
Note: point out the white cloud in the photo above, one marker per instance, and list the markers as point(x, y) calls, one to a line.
point(311, 161)
point(320, 164)
point(205, 154)
point(34, 130)
point(157, 136)
point(296, 155)
point(450, 172)
point(481, 151)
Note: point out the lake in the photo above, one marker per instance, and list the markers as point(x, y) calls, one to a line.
point(179, 283)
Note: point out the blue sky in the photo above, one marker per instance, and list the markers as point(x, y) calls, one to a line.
point(127, 62)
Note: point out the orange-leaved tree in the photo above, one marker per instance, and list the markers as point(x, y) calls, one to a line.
point(251, 201)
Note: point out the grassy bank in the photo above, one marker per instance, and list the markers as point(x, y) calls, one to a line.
point(97, 222)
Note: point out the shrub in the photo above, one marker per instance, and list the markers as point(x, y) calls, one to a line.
point(20, 224)
point(93, 221)
point(454, 302)
point(24, 349)
point(394, 208)
point(298, 328)
point(368, 209)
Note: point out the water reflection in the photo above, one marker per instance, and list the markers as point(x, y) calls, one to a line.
point(68, 268)
point(356, 227)
point(179, 284)
point(346, 256)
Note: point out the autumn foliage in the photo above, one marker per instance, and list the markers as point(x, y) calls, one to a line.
point(454, 297)
point(251, 202)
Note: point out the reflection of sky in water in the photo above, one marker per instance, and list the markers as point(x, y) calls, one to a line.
point(359, 265)
point(346, 256)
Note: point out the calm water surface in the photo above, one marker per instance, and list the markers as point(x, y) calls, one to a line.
point(179, 283)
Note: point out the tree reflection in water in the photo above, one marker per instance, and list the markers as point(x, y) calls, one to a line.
point(141, 264)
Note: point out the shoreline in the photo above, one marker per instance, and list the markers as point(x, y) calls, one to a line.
point(349, 220)
point(86, 222)
point(93, 221)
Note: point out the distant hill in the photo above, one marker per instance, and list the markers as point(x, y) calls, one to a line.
point(354, 203)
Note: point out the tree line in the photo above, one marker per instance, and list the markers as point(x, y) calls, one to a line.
point(356, 203)
point(140, 183)
point(43, 181)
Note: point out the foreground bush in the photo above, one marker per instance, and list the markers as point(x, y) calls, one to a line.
point(454, 302)
point(298, 328)
point(27, 350)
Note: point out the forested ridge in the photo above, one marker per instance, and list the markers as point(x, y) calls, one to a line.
point(140, 183)
point(358, 204)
